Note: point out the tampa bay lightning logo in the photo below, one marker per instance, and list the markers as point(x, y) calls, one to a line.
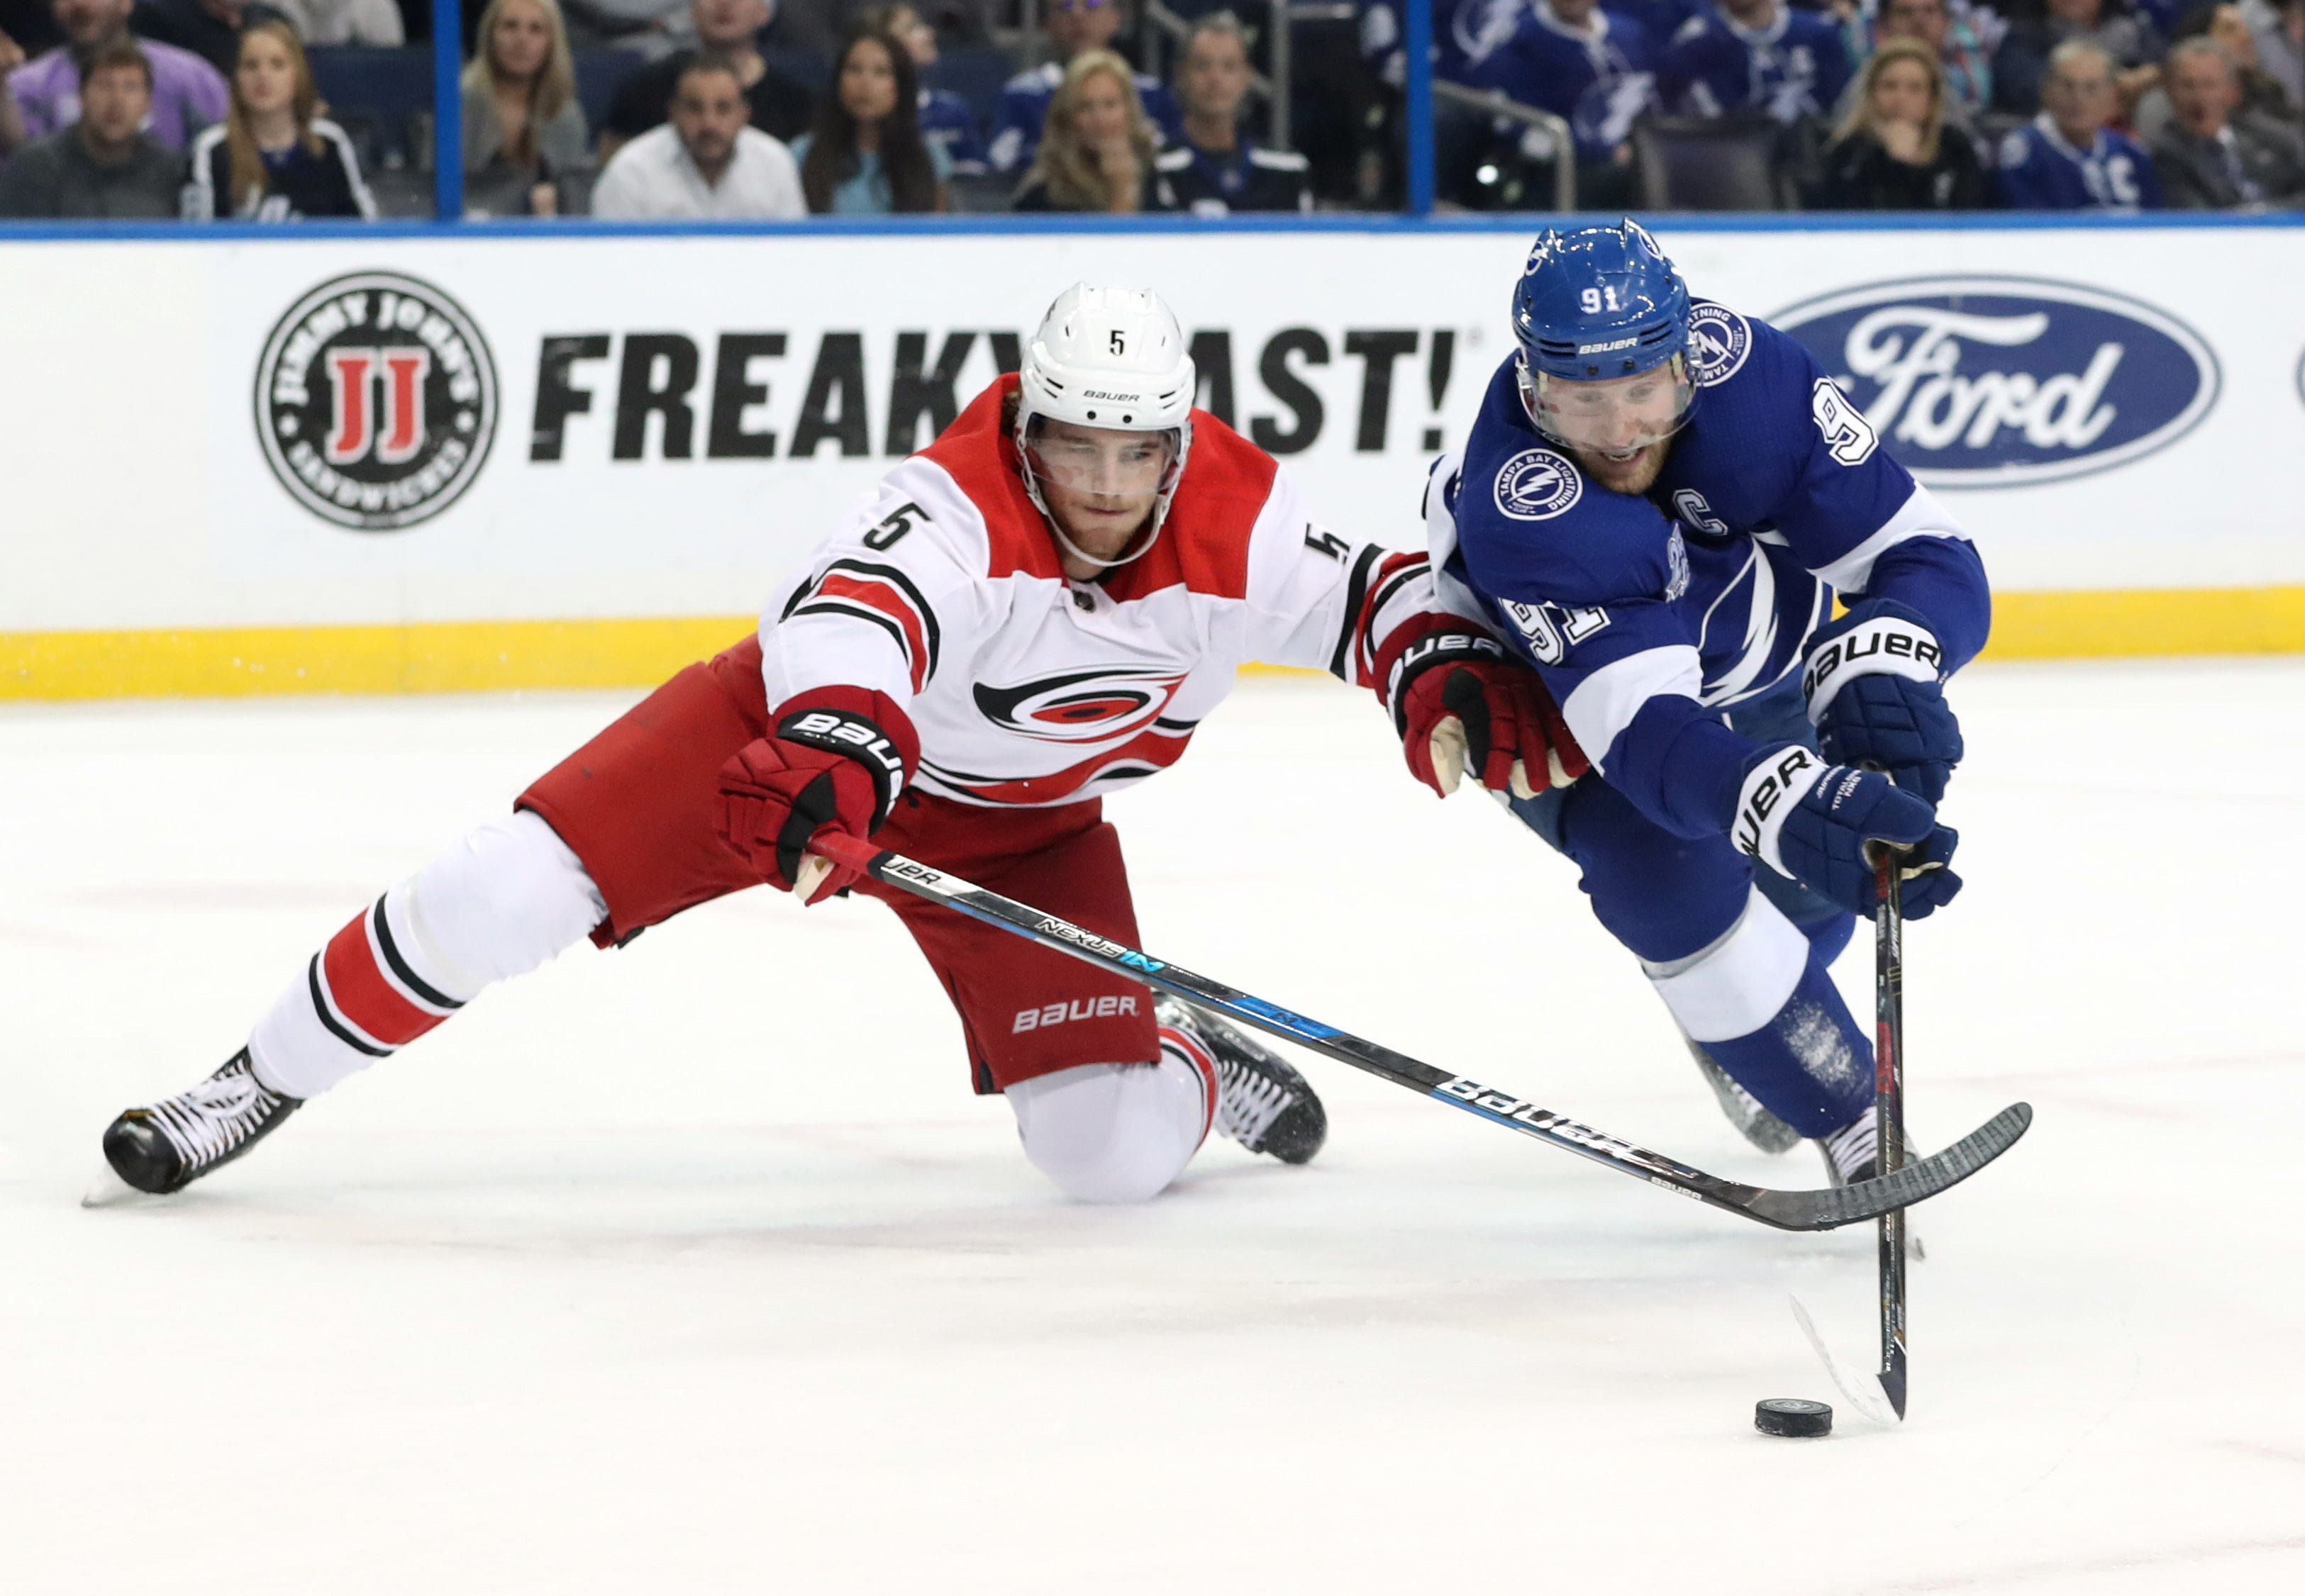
point(1537, 485)
point(1719, 340)
point(1091, 705)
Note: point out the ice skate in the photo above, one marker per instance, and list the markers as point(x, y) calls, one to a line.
point(1853, 1153)
point(1262, 1103)
point(1755, 1124)
point(165, 1146)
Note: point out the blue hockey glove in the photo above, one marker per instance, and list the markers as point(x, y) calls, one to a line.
point(1814, 822)
point(1872, 682)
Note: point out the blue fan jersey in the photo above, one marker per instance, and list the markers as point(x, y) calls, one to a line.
point(2040, 171)
point(1599, 77)
point(1647, 617)
point(1795, 67)
point(947, 120)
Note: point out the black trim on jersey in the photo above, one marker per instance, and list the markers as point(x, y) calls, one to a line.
point(335, 1026)
point(407, 977)
point(1417, 564)
point(1355, 591)
point(859, 612)
point(1163, 724)
point(805, 602)
point(902, 584)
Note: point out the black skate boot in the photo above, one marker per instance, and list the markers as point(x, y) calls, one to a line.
point(1755, 1124)
point(1853, 1153)
point(167, 1146)
point(1262, 1103)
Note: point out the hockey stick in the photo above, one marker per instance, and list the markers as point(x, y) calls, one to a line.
point(1889, 1101)
point(1787, 1210)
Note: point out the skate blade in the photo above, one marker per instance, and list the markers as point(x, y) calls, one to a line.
point(109, 1190)
point(1864, 1392)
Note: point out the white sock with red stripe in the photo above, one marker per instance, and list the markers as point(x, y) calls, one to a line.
point(497, 903)
point(1118, 1132)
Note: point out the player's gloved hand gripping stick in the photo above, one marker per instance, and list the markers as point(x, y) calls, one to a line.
point(1787, 1210)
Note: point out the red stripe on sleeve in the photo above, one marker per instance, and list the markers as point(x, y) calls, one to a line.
point(890, 603)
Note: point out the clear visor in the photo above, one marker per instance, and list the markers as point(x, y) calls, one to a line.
point(1106, 462)
point(1617, 415)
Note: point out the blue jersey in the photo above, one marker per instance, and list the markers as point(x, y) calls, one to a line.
point(2040, 171)
point(1795, 67)
point(1025, 109)
point(1647, 617)
point(947, 120)
point(1599, 77)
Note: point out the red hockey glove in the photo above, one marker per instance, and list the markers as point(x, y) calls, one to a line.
point(838, 760)
point(1460, 702)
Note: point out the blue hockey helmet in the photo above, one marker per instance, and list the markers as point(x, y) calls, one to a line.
point(1596, 305)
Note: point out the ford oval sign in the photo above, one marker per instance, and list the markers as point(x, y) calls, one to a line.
point(1979, 382)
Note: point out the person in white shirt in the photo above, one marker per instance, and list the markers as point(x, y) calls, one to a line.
point(705, 164)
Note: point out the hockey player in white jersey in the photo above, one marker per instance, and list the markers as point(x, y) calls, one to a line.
point(1037, 609)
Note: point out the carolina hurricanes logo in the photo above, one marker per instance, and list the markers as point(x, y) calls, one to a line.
point(1083, 706)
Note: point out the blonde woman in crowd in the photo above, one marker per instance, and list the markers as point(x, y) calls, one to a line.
point(1894, 151)
point(1097, 145)
point(274, 158)
point(522, 126)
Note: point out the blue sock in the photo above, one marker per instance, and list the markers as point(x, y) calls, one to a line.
point(1810, 1065)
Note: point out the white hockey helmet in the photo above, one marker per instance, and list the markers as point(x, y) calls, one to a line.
point(1110, 357)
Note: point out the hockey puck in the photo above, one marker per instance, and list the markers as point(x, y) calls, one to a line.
point(1792, 1415)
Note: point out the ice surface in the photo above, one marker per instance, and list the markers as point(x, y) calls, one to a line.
point(695, 1267)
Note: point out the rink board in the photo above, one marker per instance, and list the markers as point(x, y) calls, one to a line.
point(343, 463)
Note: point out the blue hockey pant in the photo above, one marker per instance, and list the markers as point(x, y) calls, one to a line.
point(1738, 951)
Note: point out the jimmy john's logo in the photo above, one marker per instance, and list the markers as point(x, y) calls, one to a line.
point(376, 401)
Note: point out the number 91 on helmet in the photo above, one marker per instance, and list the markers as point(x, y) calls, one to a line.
point(1602, 319)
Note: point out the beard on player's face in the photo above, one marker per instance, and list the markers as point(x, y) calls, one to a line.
point(1634, 473)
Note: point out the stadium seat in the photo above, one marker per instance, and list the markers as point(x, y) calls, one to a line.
point(1710, 163)
point(376, 95)
point(976, 75)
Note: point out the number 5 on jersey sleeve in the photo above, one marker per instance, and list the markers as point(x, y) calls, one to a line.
point(1848, 435)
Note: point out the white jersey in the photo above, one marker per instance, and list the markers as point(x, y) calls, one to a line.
point(1028, 688)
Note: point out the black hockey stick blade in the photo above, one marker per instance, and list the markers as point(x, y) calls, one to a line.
point(1787, 1210)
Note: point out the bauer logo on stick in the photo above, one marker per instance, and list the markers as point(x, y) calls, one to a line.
point(376, 401)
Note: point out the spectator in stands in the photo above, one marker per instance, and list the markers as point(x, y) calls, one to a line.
point(522, 122)
point(275, 159)
point(707, 163)
point(209, 29)
point(1758, 57)
point(1095, 154)
point(778, 105)
point(105, 166)
point(2069, 157)
point(2261, 93)
point(946, 120)
point(372, 24)
point(1960, 50)
point(11, 122)
point(1597, 68)
point(1217, 169)
point(1073, 27)
point(865, 156)
point(188, 94)
point(1894, 150)
point(2278, 26)
point(654, 28)
point(2209, 159)
point(2128, 38)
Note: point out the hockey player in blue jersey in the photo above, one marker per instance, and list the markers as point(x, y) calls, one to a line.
point(1657, 505)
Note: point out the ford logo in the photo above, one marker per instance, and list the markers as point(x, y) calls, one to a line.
point(1997, 382)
